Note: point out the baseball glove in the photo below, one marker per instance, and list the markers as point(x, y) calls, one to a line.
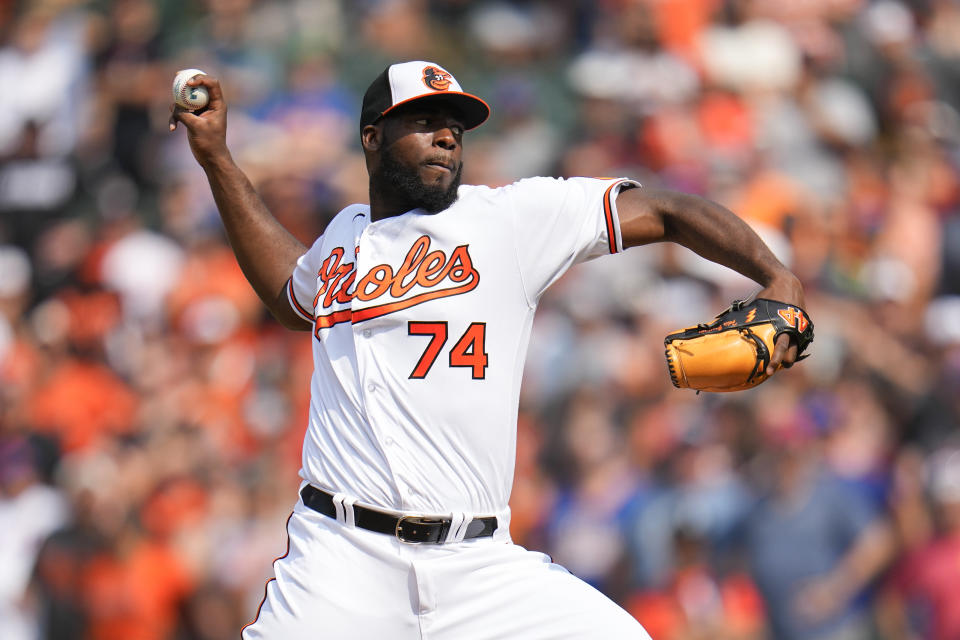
point(732, 352)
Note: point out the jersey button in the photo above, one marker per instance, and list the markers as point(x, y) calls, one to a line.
point(388, 441)
point(371, 387)
point(367, 333)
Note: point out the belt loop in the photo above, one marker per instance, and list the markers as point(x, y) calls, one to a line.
point(348, 512)
point(458, 526)
point(338, 499)
point(503, 524)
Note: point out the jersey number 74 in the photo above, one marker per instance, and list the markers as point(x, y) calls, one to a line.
point(469, 350)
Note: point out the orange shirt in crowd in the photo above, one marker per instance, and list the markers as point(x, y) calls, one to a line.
point(81, 401)
point(135, 597)
point(697, 604)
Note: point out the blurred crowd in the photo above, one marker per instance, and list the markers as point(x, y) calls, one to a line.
point(151, 412)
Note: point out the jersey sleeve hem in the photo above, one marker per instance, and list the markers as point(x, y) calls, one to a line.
point(612, 219)
point(295, 304)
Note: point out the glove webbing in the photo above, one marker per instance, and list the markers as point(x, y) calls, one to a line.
point(763, 354)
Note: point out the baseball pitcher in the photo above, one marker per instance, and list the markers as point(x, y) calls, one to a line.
point(420, 305)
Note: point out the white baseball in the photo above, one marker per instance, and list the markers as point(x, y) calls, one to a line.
point(188, 97)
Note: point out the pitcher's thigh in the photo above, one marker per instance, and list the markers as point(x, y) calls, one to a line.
point(521, 594)
point(330, 586)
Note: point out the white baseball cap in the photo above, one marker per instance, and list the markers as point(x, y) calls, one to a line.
point(407, 82)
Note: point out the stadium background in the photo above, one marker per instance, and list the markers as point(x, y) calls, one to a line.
point(151, 413)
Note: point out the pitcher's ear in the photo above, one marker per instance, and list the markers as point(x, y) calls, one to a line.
point(372, 137)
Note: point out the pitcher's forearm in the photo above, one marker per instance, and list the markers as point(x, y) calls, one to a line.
point(707, 228)
point(720, 236)
point(265, 250)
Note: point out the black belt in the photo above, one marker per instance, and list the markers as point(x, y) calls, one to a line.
point(412, 529)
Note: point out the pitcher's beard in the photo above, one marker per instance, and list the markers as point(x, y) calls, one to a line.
point(404, 181)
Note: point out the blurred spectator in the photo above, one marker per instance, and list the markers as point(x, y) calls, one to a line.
point(142, 266)
point(80, 402)
point(696, 603)
point(926, 583)
point(814, 545)
point(44, 57)
point(133, 589)
point(131, 79)
point(749, 52)
point(588, 521)
point(29, 512)
point(703, 496)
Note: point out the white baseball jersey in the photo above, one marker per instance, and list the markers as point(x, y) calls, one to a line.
point(420, 330)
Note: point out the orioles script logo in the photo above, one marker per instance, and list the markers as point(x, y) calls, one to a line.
point(439, 274)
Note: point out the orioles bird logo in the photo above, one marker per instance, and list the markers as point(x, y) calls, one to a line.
point(436, 79)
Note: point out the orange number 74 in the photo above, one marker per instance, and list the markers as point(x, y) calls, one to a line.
point(469, 351)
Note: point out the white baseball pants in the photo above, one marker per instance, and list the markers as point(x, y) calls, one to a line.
point(342, 582)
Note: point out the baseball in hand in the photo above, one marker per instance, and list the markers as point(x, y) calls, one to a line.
point(190, 98)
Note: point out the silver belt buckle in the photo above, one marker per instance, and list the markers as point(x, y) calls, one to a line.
point(415, 521)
